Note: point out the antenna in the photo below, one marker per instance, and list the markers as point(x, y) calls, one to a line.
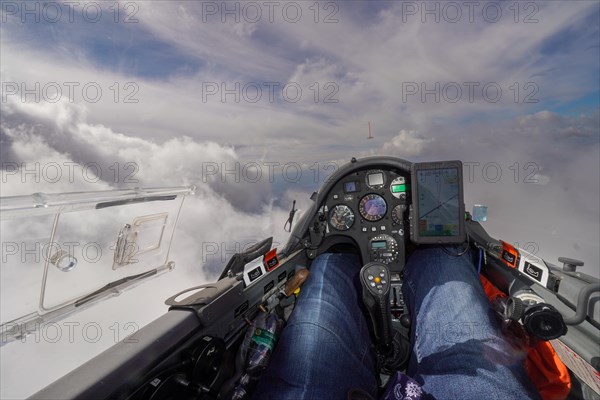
point(370, 135)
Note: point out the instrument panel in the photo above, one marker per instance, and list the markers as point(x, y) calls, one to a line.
point(371, 207)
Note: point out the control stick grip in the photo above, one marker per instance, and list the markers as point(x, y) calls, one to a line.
point(375, 282)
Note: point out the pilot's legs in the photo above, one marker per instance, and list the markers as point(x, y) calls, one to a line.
point(458, 351)
point(323, 351)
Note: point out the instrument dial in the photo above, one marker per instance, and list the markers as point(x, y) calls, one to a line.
point(383, 248)
point(397, 213)
point(398, 188)
point(372, 207)
point(341, 217)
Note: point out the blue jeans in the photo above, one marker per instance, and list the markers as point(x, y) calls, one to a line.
point(457, 349)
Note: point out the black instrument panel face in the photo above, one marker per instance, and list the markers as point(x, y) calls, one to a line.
point(371, 206)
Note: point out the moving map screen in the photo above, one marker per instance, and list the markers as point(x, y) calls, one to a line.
point(438, 203)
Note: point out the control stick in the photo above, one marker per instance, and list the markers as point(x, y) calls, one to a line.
point(375, 281)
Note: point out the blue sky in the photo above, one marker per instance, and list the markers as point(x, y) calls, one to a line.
point(161, 108)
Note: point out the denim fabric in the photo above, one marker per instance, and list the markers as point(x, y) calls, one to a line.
point(324, 350)
point(458, 352)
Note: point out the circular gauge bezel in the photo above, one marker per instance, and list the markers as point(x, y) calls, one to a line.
point(331, 213)
point(400, 180)
point(362, 211)
point(395, 217)
point(375, 171)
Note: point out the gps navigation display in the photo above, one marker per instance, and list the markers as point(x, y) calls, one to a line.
point(438, 208)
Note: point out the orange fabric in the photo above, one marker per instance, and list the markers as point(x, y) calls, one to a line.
point(547, 372)
point(490, 290)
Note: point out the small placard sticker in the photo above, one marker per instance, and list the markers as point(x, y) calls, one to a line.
point(254, 274)
point(533, 271)
point(508, 257)
point(271, 261)
point(533, 268)
point(254, 270)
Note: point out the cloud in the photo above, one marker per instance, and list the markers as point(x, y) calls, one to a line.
point(54, 149)
point(537, 173)
point(408, 143)
point(214, 223)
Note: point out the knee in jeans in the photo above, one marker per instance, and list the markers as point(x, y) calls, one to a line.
point(310, 337)
point(334, 265)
